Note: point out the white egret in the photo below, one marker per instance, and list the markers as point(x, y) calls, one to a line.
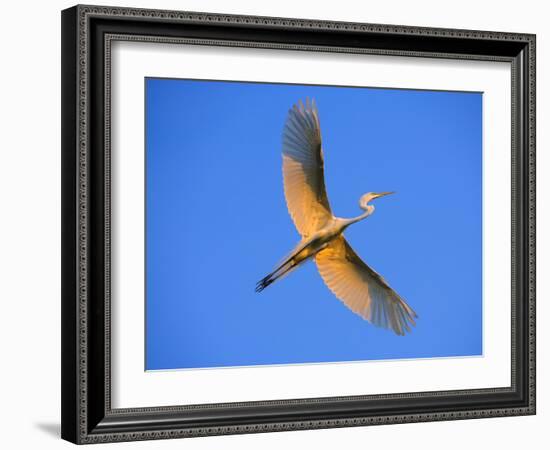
point(358, 286)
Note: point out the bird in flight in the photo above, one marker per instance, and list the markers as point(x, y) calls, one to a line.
point(350, 279)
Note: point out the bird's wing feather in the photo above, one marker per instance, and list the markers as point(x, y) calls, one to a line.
point(363, 290)
point(304, 181)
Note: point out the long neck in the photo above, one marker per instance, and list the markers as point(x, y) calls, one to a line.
point(368, 212)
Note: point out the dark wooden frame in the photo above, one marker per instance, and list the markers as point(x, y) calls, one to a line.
point(87, 32)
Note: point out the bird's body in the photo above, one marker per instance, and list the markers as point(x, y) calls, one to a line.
point(307, 248)
point(345, 274)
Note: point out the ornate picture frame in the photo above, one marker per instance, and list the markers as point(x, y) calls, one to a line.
point(88, 33)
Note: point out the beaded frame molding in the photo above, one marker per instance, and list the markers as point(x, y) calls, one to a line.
point(87, 34)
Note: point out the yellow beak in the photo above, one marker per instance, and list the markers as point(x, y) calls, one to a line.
point(382, 194)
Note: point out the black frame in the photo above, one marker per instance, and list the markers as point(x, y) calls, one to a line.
point(87, 416)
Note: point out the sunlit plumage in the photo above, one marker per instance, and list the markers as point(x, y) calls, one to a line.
point(359, 287)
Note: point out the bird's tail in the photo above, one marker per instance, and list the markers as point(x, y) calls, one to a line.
point(279, 272)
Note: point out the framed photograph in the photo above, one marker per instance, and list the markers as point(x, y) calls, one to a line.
point(278, 224)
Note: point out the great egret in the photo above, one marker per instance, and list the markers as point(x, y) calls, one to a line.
point(363, 290)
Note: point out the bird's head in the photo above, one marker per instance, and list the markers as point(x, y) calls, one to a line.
point(365, 199)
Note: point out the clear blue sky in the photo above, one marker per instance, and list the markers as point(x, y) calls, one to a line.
point(217, 222)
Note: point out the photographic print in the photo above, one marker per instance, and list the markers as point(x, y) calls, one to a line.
point(275, 224)
point(299, 224)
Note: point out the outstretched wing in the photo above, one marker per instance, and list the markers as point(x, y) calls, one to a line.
point(362, 290)
point(303, 168)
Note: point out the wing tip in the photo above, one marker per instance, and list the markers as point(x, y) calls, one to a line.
point(309, 105)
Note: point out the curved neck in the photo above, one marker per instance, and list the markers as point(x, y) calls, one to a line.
point(368, 212)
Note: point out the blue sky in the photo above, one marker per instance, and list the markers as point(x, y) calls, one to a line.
point(217, 222)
